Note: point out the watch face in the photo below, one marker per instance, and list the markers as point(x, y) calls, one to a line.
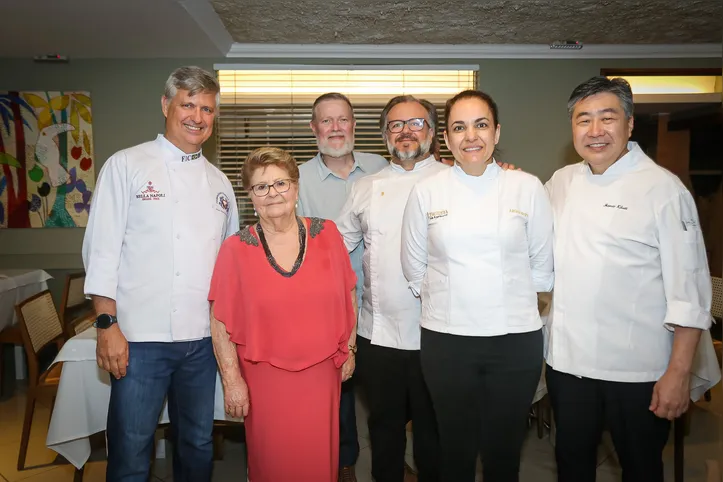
point(103, 321)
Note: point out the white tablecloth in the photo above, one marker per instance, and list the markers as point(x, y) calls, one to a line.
point(17, 285)
point(81, 407)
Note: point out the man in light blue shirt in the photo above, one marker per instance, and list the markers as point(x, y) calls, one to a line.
point(325, 181)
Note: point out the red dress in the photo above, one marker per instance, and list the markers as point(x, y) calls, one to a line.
point(292, 337)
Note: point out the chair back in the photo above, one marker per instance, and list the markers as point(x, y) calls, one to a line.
point(74, 302)
point(83, 325)
point(716, 308)
point(40, 327)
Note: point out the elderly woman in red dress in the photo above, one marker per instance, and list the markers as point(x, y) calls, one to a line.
point(283, 327)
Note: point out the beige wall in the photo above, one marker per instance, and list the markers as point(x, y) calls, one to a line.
point(126, 110)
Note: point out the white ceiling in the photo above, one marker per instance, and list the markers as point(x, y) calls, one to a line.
point(298, 28)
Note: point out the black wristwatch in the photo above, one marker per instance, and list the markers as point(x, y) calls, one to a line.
point(104, 320)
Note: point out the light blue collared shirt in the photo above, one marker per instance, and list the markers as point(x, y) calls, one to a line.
point(322, 194)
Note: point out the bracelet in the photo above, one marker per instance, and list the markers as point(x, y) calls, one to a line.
point(352, 349)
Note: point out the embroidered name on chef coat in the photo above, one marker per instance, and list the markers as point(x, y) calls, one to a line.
point(515, 211)
point(190, 157)
point(436, 214)
point(616, 206)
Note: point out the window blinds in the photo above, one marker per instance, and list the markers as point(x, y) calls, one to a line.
point(272, 107)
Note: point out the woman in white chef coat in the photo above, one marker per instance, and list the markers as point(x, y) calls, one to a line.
point(477, 247)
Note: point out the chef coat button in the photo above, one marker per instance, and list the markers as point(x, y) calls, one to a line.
point(178, 236)
point(178, 273)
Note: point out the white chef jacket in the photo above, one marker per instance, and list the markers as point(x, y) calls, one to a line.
point(157, 220)
point(373, 212)
point(478, 249)
point(630, 264)
point(322, 194)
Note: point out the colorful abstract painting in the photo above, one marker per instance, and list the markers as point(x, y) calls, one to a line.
point(46, 159)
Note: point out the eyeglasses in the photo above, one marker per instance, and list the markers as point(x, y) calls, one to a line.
point(414, 124)
point(280, 186)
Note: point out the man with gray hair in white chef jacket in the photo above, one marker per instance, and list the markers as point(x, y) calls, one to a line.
point(632, 293)
point(158, 217)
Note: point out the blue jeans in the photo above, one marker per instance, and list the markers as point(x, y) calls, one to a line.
point(186, 372)
point(348, 439)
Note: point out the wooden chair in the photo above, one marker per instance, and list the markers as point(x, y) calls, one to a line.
point(74, 307)
point(681, 425)
point(717, 306)
point(10, 335)
point(81, 324)
point(716, 311)
point(40, 328)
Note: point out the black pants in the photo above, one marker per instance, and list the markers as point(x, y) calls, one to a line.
point(395, 391)
point(583, 407)
point(482, 389)
point(348, 439)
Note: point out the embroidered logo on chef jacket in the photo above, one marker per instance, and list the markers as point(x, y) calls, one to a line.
point(149, 193)
point(616, 206)
point(222, 201)
point(436, 214)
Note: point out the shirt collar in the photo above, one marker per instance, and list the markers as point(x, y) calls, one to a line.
point(177, 155)
point(625, 164)
point(491, 172)
point(325, 172)
point(419, 165)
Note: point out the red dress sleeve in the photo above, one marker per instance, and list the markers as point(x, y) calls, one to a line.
point(224, 287)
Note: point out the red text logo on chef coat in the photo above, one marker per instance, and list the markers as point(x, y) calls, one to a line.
point(150, 193)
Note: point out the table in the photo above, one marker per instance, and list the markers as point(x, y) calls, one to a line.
point(17, 285)
point(81, 407)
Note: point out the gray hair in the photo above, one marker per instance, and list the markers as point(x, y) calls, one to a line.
point(432, 117)
point(193, 79)
point(331, 96)
point(600, 85)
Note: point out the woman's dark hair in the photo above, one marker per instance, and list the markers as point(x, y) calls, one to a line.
point(473, 94)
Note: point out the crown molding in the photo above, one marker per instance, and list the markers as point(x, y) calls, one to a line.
point(467, 51)
point(202, 12)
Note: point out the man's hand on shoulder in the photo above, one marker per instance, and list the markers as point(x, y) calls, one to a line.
point(506, 166)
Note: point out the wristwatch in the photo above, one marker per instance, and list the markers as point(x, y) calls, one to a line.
point(104, 320)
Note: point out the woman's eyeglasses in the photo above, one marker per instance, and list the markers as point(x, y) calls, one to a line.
point(280, 186)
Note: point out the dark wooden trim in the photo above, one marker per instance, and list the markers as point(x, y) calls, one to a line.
point(703, 116)
point(661, 72)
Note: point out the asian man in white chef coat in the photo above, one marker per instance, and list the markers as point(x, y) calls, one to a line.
point(158, 217)
point(632, 292)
